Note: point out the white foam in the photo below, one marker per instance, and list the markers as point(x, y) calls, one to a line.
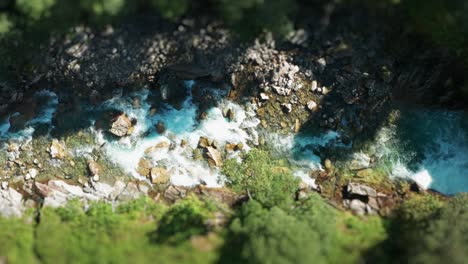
point(180, 125)
point(43, 116)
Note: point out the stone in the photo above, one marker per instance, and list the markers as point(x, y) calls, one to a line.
point(359, 189)
point(32, 173)
point(160, 127)
point(297, 126)
point(159, 146)
point(95, 178)
point(203, 142)
point(264, 97)
point(121, 126)
point(328, 165)
point(4, 185)
point(230, 147)
point(287, 107)
point(93, 168)
point(11, 203)
point(230, 115)
point(314, 86)
point(239, 146)
point(174, 193)
point(311, 105)
point(358, 207)
point(144, 167)
point(159, 175)
point(56, 150)
point(214, 157)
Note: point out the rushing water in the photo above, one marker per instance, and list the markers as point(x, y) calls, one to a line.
point(428, 146)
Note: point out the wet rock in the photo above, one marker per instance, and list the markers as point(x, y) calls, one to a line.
point(157, 147)
point(239, 146)
point(160, 127)
point(159, 175)
point(94, 97)
point(57, 150)
point(204, 142)
point(297, 126)
point(121, 126)
point(214, 157)
point(144, 167)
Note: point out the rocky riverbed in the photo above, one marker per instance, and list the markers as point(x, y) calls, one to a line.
point(119, 113)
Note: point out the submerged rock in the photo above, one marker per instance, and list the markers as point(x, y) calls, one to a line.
point(121, 126)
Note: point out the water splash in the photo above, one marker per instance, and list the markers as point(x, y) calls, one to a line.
point(47, 105)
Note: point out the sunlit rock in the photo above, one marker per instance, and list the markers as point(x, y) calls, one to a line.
point(121, 126)
point(57, 150)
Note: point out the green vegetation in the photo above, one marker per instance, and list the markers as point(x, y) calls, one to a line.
point(312, 230)
point(263, 178)
point(424, 229)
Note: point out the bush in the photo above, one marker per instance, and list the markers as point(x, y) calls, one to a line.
point(262, 235)
point(260, 176)
point(183, 220)
point(446, 237)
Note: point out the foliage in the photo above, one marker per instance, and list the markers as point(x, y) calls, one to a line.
point(312, 231)
point(272, 236)
point(16, 241)
point(262, 177)
point(183, 220)
point(446, 237)
point(171, 9)
point(102, 234)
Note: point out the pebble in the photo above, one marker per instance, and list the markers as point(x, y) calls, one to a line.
point(4, 185)
point(311, 105)
point(314, 86)
point(264, 96)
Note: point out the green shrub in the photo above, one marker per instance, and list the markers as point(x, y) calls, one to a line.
point(263, 235)
point(171, 9)
point(35, 9)
point(17, 241)
point(446, 237)
point(261, 177)
point(183, 220)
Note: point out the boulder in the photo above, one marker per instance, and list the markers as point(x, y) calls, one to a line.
point(93, 168)
point(144, 167)
point(11, 203)
point(159, 146)
point(121, 126)
point(57, 150)
point(174, 193)
point(214, 157)
point(361, 190)
point(159, 175)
